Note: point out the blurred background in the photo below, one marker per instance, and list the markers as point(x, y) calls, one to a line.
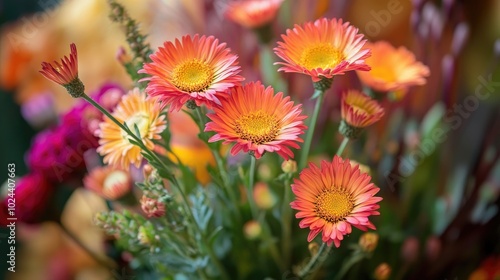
point(439, 217)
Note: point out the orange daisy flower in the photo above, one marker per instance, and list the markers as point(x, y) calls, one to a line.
point(322, 49)
point(133, 109)
point(108, 182)
point(332, 198)
point(392, 69)
point(359, 110)
point(258, 121)
point(197, 68)
point(253, 13)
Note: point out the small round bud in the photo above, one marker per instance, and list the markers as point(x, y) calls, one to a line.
point(289, 166)
point(252, 230)
point(409, 250)
point(382, 272)
point(263, 196)
point(313, 248)
point(368, 241)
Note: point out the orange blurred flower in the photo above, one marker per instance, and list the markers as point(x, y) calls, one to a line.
point(108, 182)
point(258, 121)
point(134, 109)
point(253, 13)
point(197, 68)
point(323, 49)
point(392, 69)
point(332, 198)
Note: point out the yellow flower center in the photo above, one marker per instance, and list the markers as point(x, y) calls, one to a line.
point(140, 119)
point(192, 76)
point(321, 55)
point(117, 177)
point(334, 205)
point(259, 127)
point(360, 109)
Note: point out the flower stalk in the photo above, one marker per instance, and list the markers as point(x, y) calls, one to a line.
point(312, 125)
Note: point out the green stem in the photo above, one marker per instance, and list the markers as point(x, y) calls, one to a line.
point(220, 166)
point(286, 211)
point(273, 249)
point(315, 262)
point(251, 176)
point(342, 146)
point(310, 131)
point(160, 163)
point(355, 258)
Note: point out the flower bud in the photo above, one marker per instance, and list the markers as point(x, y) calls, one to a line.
point(143, 237)
point(265, 172)
point(289, 166)
point(263, 196)
point(382, 272)
point(122, 56)
point(368, 241)
point(152, 207)
point(252, 230)
point(409, 250)
point(147, 170)
point(433, 248)
point(313, 248)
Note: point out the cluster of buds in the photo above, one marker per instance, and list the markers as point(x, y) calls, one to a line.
point(135, 39)
point(128, 227)
point(155, 195)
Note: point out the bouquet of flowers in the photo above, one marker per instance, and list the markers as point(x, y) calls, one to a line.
point(282, 184)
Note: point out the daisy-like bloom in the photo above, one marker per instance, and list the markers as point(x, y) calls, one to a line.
point(253, 13)
point(133, 109)
point(65, 73)
point(393, 70)
point(109, 182)
point(197, 68)
point(256, 120)
point(358, 110)
point(323, 49)
point(152, 207)
point(332, 198)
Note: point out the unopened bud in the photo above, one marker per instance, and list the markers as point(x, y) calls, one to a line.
point(368, 241)
point(409, 250)
point(147, 170)
point(313, 248)
point(289, 166)
point(263, 196)
point(252, 229)
point(152, 207)
point(122, 56)
point(382, 272)
point(433, 247)
point(265, 172)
